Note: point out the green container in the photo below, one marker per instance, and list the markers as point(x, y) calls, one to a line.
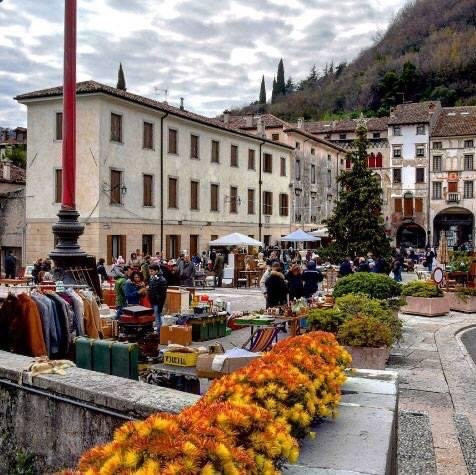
point(221, 327)
point(102, 356)
point(212, 328)
point(125, 360)
point(83, 352)
point(200, 329)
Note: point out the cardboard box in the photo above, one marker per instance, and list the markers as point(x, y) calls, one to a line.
point(181, 335)
point(180, 359)
point(214, 366)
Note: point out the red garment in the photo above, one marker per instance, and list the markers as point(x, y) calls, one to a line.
point(20, 326)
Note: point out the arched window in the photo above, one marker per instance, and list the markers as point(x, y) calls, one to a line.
point(379, 161)
point(371, 160)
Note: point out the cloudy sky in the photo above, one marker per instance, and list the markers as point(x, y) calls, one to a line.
point(211, 52)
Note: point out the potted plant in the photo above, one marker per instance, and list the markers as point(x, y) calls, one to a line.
point(377, 286)
point(367, 340)
point(462, 300)
point(424, 298)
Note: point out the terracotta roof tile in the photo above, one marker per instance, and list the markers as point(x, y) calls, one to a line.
point(374, 124)
point(456, 121)
point(88, 87)
point(17, 174)
point(413, 113)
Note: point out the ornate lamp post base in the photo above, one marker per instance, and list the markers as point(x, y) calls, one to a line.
point(67, 252)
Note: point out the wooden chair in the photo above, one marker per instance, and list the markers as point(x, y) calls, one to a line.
point(262, 340)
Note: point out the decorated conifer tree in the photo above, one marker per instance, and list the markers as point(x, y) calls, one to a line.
point(357, 224)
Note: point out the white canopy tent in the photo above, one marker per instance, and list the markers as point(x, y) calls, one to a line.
point(235, 239)
point(321, 232)
point(300, 236)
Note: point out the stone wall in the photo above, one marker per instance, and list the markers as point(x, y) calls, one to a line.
point(56, 418)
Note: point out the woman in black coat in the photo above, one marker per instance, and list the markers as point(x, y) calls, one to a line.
point(295, 284)
point(276, 288)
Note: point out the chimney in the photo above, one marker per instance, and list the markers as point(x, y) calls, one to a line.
point(6, 169)
point(226, 117)
point(260, 128)
point(300, 123)
point(181, 103)
point(249, 120)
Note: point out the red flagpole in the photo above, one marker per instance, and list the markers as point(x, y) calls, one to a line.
point(69, 106)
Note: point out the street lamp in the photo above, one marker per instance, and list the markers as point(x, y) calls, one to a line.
point(67, 230)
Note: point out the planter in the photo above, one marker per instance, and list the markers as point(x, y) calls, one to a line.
point(426, 307)
point(457, 304)
point(368, 358)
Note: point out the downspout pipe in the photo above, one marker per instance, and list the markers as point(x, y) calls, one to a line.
point(162, 250)
point(260, 193)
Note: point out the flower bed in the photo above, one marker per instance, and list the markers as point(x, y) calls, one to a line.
point(248, 421)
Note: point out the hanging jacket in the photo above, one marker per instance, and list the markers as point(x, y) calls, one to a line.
point(21, 329)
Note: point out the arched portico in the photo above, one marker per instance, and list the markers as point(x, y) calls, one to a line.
point(458, 224)
point(411, 235)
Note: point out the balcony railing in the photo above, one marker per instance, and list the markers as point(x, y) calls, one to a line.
point(453, 198)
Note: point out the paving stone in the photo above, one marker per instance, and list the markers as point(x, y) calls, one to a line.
point(467, 441)
point(415, 444)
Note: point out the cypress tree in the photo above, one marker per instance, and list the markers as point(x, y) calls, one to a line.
point(356, 224)
point(262, 92)
point(121, 80)
point(280, 81)
point(274, 92)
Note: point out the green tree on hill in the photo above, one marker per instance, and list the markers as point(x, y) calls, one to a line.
point(280, 81)
point(262, 92)
point(356, 224)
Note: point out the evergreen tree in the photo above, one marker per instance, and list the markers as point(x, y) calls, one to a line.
point(121, 80)
point(274, 93)
point(262, 92)
point(357, 224)
point(280, 81)
point(290, 86)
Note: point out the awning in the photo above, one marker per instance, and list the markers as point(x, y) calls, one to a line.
point(322, 233)
point(300, 236)
point(235, 239)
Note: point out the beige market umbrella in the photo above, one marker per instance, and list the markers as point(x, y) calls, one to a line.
point(443, 256)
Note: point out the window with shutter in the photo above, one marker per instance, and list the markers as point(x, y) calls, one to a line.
point(214, 197)
point(408, 206)
point(251, 201)
point(275, 137)
point(419, 205)
point(148, 141)
point(267, 163)
point(116, 127)
point(468, 189)
point(194, 244)
point(398, 205)
point(452, 187)
point(59, 126)
point(283, 166)
point(116, 181)
point(313, 174)
point(437, 190)
point(468, 162)
point(147, 244)
point(172, 141)
point(58, 185)
point(215, 151)
point(233, 199)
point(379, 160)
point(283, 204)
point(420, 175)
point(148, 181)
point(267, 202)
point(234, 156)
point(397, 175)
point(437, 163)
point(298, 169)
point(251, 159)
point(173, 193)
point(194, 193)
point(194, 146)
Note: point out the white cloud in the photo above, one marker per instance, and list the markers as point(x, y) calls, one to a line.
point(211, 52)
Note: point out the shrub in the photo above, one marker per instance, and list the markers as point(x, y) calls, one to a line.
point(349, 306)
point(247, 422)
point(421, 288)
point(465, 293)
point(460, 261)
point(378, 286)
point(365, 332)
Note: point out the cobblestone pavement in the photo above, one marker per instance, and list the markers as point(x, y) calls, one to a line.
point(437, 397)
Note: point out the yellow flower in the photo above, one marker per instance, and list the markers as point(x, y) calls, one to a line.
point(111, 465)
point(131, 458)
point(222, 452)
point(208, 470)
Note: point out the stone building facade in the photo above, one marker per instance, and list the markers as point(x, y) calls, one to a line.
point(151, 176)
